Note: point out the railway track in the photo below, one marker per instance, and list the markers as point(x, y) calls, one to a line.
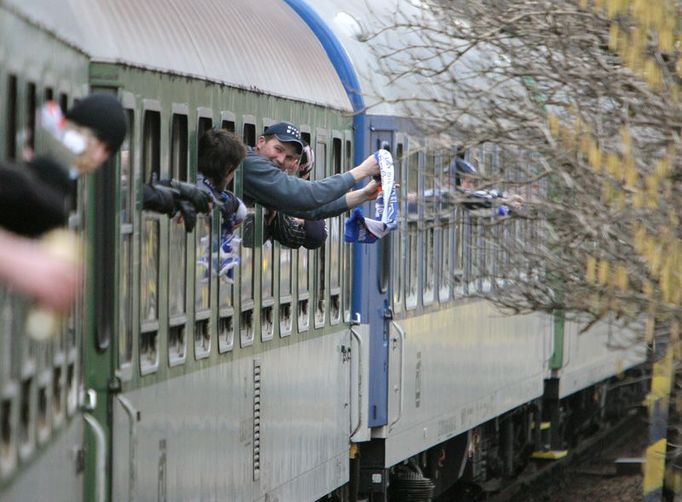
point(540, 477)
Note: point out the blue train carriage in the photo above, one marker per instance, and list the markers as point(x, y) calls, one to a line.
point(202, 389)
point(436, 367)
point(41, 455)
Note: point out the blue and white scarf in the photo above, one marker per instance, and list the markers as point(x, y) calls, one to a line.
point(366, 230)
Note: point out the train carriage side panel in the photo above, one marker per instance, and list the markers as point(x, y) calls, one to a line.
point(42, 440)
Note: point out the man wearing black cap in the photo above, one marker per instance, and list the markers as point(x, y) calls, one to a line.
point(266, 182)
point(32, 199)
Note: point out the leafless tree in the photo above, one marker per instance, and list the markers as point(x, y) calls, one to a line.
point(580, 101)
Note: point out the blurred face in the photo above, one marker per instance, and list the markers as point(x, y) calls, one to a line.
point(467, 182)
point(96, 151)
point(284, 155)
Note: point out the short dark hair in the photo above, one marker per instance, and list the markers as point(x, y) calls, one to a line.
point(220, 153)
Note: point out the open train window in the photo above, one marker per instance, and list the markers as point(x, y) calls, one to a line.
point(398, 240)
point(49, 94)
point(445, 260)
point(305, 136)
point(412, 214)
point(347, 258)
point(285, 291)
point(335, 240)
point(204, 272)
point(126, 200)
point(63, 102)
point(320, 255)
point(177, 250)
point(228, 125)
point(149, 255)
point(303, 289)
point(11, 119)
point(249, 134)
point(267, 289)
point(429, 262)
point(30, 129)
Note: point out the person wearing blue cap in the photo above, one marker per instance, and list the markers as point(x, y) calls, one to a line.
point(266, 182)
point(465, 176)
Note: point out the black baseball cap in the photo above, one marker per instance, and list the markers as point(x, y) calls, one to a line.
point(286, 132)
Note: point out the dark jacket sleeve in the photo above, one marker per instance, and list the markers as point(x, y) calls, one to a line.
point(28, 206)
point(158, 199)
point(266, 184)
point(334, 208)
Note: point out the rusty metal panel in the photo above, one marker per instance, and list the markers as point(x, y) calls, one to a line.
point(262, 46)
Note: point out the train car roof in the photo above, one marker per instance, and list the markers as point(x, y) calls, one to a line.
point(260, 45)
point(353, 20)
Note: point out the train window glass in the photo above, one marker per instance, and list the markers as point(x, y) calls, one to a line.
point(320, 255)
point(203, 272)
point(347, 280)
point(267, 269)
point(458, 265)
point(335, 260)
point(202, 293)
point(177, 251)
point(472, 254)
point(126, 184)
point(49, 94)
point(305, 136)
point(11, 119)
point(412, 264)
point(250, 134)
point(429, 261)
point(303, 288)
point(267, 289)
point(334, 240)
point(430, 195)
point(398, 243)
point(247, 265)
point(149, 254)
point(445, 261)
point(63, 102)
point(228, 125)
point(412, 184)
point(285, 290)
point(31, 104)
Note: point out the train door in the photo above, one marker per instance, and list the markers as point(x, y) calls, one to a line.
point(380, 312)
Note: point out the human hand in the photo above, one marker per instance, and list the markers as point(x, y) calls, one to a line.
point(515, 201)
point(370, 166)
point(189, 214)
point(36, 271)
point(371, 190)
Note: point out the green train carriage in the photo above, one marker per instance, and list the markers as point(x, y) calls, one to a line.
point(42, 428)
point(181, 373)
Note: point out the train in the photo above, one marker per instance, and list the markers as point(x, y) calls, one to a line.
point(351, 372)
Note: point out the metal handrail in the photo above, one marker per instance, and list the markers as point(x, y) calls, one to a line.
point(357, 337)
point(401, 333)
point(132, 418)
point(100, 457)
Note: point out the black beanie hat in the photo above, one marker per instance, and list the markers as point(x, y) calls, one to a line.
point(103, 113)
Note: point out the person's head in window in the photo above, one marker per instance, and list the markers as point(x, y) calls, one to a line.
point(281, 143)
point(220, 153)
point(95, 128)
point(465, 174)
